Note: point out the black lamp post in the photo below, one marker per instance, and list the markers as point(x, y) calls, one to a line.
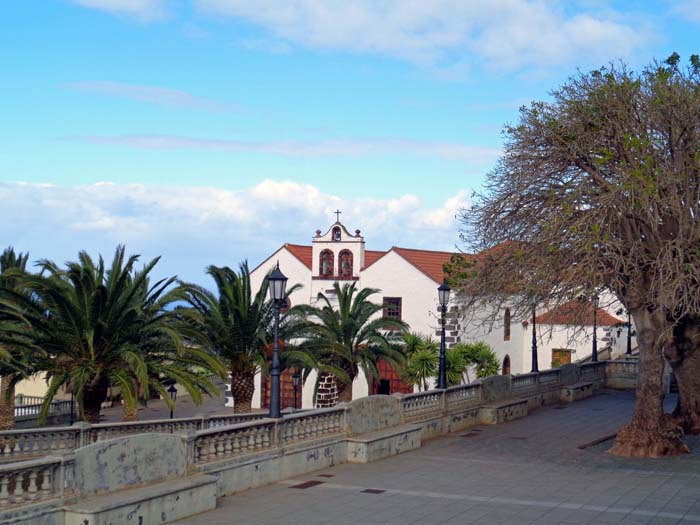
point(535, 366)
point(629, 333)
point(173, 396)
point(443, 298)
point(72, 408)
point(594, 353)
point(277, 283)
point(295, 384)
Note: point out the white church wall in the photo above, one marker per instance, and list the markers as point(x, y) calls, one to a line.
point(396, 277)
point(295, 271)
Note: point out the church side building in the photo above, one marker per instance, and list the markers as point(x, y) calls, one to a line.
point(408, 280)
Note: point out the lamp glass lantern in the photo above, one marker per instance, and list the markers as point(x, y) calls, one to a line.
point(277, 283)
point(444, 293)
point(173, 392)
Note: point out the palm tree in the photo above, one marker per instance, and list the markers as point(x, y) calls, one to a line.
point(94, 327)
point(12, 362)
point(352, 337)
point(422, 358)
point(235, 323)
point(479, 356)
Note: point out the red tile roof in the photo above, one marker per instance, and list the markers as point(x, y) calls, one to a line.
point(577, 313)
point(303, 253)
point(371, 256)
point(429, 262)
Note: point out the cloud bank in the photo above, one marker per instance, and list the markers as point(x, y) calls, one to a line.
point(192, 227)
point(164, 97)
point(449, 36)
point(320, 148)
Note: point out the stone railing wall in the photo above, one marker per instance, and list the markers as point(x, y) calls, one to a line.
point(245, 454)
point(29, 443)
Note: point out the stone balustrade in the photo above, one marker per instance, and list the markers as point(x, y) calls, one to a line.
point(311, 425)
point(241, 454)
point(216, 444)
point(21, 444)
point(28, 443)
point(30, 481)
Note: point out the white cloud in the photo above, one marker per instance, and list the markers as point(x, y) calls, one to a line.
point(146, 10)
point(192, 227)
point(506, 34)
point(323, 148)
point(689, 9)
point(165, 97)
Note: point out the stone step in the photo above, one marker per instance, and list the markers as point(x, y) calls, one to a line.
point(163, 502)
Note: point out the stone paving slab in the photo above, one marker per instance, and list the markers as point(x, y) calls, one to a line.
point(525, 471)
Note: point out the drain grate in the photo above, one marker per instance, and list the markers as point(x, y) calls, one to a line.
point(373, 491)
point(519, 438)
point(306, 485)
point(326, 475)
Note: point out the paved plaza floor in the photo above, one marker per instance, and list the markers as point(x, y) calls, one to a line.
point(527, 471)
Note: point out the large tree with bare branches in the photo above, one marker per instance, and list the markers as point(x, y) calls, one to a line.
point(600, 189)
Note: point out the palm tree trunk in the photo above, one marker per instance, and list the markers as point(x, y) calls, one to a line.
point(130, 413)
point(242, 388)
point(93, 397)
point(7, 407)
point(327, 391)
point(344, 392)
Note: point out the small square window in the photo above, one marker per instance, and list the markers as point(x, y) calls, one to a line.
point(392, 308)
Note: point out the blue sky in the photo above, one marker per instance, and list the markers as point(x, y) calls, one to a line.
point(212, 131)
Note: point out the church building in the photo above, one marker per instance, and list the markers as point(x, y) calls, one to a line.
point(408, 280)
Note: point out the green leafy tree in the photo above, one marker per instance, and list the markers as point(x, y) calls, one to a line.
point(598, 188)
point(13, 362)
point(422, 356)
point(93, 327)
point(482, 358)
point(236, 322)
point(346, 333)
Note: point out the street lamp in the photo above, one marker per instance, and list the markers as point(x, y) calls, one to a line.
point(173, 396)
point(443, 298)
point(594, 354)
point(277, 283)
point(295, 384)
point(629, 333)
point(535, 366)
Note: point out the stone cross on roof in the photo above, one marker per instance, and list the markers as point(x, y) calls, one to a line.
point(337, 215)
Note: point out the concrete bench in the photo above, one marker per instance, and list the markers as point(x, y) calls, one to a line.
point(571, 393)
point(503, 411)
point(372, 446)
point(163, 502)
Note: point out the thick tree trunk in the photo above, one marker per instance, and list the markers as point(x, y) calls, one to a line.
point(344, 392)
point(93, 397)
point(650, 433)
point(242, 388)
point(7, 406)
point(684, 357)
point(130, 414)
point(326, 391)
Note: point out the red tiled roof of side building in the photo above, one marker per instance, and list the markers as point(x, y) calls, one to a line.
point(431, 263)
point(303, 253)
point(577, 313)
point(372, 256)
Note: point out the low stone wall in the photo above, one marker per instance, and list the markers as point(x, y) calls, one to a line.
point(250, 454)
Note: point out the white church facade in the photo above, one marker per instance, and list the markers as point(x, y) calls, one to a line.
point(408, 280)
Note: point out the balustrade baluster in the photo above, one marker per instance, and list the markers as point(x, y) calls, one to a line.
point(19, 489)
point(32, 489)
point(4, 494)
point(46, 482)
